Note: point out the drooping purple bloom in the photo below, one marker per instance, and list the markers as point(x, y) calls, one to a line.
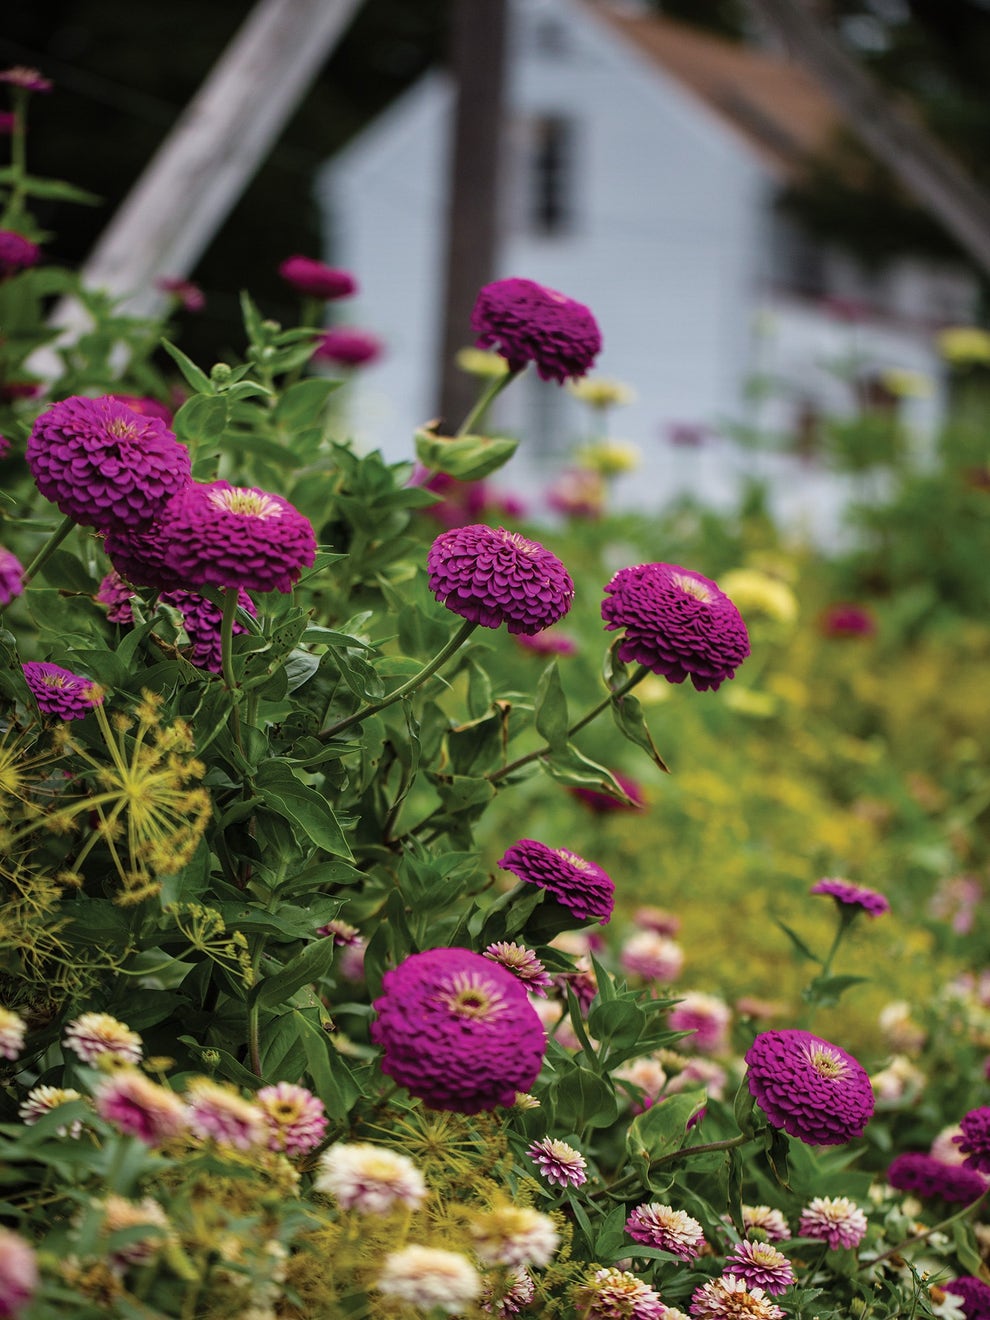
point(229, 536)
point(315, 280)
point(202, 621)
point(927, 1176)
point(527, 322)
point(974, 1139)
point(29, 80)
point(873, 903)
point(348, 347)
point(458, 1031)
point(677, 623)
point(491, 576)
point(11, 576)
point(578, 885)
point(60, 692)
point(17, 252)
point(105, 465)
point(812, 1089)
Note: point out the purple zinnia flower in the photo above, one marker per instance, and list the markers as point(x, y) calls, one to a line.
point(11, 576)
point(677, 623)
point(848, 621)
point(60, 692)
point(975, 1296)
point(236, 536)
point(491, 576)
point(558, 1162)
point(835, 1220)
point(201, 620)
point(189, 296)
point(296, 1118)
point(812, 1089)
point(526, 322)
point(522, 963)
point(667, 1229)
point(348, 347)
point(458, 1031)
point(140, 1107)
point(652, 956)
point(928, 1176)
point(139, 557)
point(17, 252)
point(116, 595)
point(760, 1265)
point(218, 1113)
point(707, 1016)
point(549, 643)
point(105, 465)
point(315, 280)
point(18, 1273)
point(29, 80)
point(580, 886)
point(848, 895)
point(974, 1139)
point(603, 804)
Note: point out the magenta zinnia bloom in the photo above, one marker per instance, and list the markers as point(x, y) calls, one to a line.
point(17, 252)
point(60, 692)
point(105, 465)
point(491, 576)
point(730, 1298)
point(974, 1139)
point(874, 904)
point(760, 1265)
point(526, 322)
point(140, 1107)
point(347, 347)
point(558, 1162)
point(603, 804)
point(928, 1176)
point(315, 280)
point(812, 1089)
point(236, 536)
point(202, 620)
point(663, 1227)
point(613, 1293)
point(219, 1114)
point(18, 1273)
point(523, 964)
point(139, 557)
point(295, 1117)
point(548, 643)
point(116, 595)
point(835, 1220)
point(458, 1031)
point(707, 1017)
point(189, 296)
point(29, 80)
point(848, 621)
point(975, 1296)
point(652, 956)
point(580, 886)
point(678, 624)
point(11, 576)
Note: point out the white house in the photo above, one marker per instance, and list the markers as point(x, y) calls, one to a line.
point(643, 164)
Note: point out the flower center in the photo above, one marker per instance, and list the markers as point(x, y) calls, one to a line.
point(243, 500)
point(573, 859)
point(121, 429)
point(469, 996)
point(54, 681)
point(692, 587)
point(826, 1062)
point(520, 543)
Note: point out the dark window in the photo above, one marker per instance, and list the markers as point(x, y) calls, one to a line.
point(551, 204)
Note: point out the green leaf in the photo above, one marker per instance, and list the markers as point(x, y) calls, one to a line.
point(302, 404)
point(63, 569)
point(618, 1022)
point(199, 380)
point(631, 723)
point(201, 419)
point(828, 990)
point(799, 945)
point(286, 796)
point(551, 708)
point(467, 457)
point(569, 766)
point(660, 1130)
point(252, 320)
point(305, 969)
point(333, 1080)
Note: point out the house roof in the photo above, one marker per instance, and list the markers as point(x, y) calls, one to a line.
point(777, 107)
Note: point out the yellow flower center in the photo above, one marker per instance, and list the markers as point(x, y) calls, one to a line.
point(468, 995)
point(826, 1062)
point(121, 429)
point(573, 859)
point(243, 500)
point(692, 587)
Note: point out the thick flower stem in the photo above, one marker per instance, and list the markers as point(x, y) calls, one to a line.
point(48, 549)
point(439, 660)
point(636, 677)
point(227, 659)
point(486, 398)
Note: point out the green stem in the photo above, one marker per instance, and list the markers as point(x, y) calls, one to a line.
point(729, 1144)
point(48, 549)
point(227, 660)
point(962, 1213)
point(18, 158)
point(428, 670)
point(614, 695)
point(491, 391)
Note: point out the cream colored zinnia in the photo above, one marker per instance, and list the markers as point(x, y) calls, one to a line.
point(428, 1276)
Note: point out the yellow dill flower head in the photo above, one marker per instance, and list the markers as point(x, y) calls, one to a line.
point(755, 592)
point(963, 345)
point(479, 362)
point(609, 457)
point(601, 392)
point(905, 384)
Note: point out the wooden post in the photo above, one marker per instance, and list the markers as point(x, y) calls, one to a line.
point(899, 140)
point(201, 169)
point(478, 58)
